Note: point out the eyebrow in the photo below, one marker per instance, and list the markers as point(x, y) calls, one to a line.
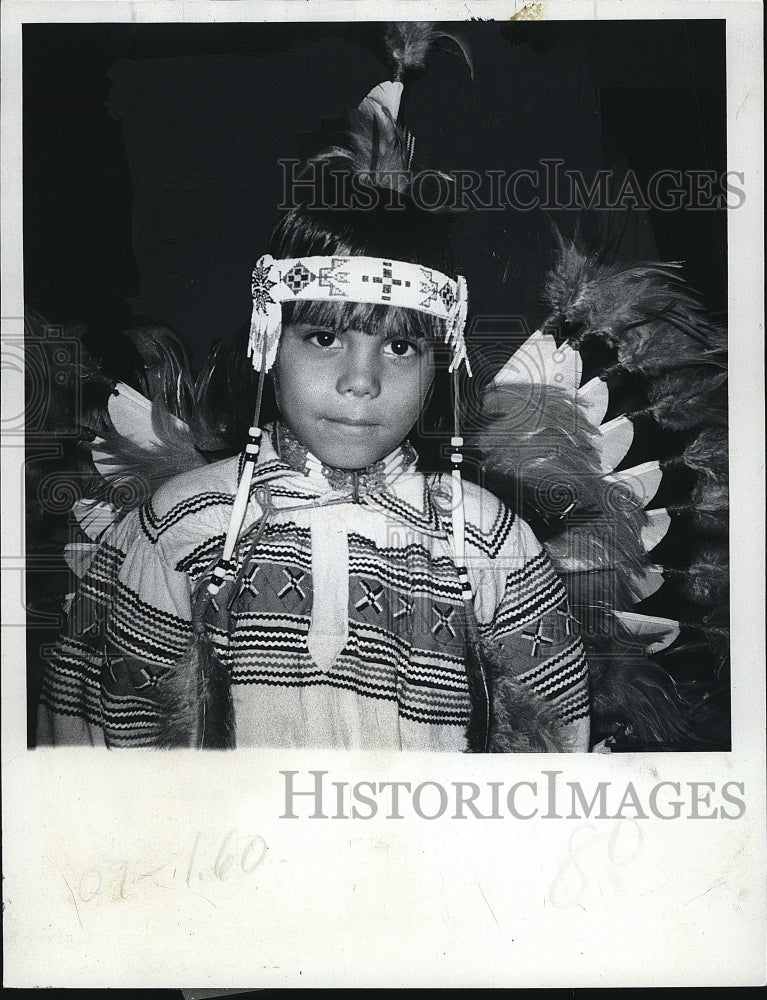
point(327, 328)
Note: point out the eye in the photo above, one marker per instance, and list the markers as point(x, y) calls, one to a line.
point(322, 338)
point(402, 348)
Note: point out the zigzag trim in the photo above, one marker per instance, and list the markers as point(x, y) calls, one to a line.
point(201, 556)
point(427, 522)
point(492, 542)
point(154, 526)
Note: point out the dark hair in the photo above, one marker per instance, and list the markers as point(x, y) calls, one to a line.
point(397, 230)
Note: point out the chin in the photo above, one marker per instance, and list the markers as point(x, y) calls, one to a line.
point(350, 457)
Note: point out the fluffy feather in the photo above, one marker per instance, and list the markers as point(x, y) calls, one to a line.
point(706, 580)
point(646, 312)
point(707, 454)
point(75, 383)
point(688, 398)
point(709, 505)
point(195, 697)
point(211, 418)
point(520, 721)
point(373, 146)
point(409, 42)
point(637, 696)
point(542, 459)
point(139, 470)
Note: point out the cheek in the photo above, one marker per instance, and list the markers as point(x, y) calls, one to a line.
point(296, 382)
point(407, 395)
point(415, 386)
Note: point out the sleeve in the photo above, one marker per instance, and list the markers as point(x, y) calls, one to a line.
point(130, 620)
point(523, 614)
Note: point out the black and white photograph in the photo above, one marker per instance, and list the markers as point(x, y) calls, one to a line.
point(383, 446)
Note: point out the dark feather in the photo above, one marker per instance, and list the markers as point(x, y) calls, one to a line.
point(521, 721)
point(168, 378)
point(195, 698)
point(688, 398)
point(707, 453)
point(141, 469)
point(635, 695)
point(706, 580)
point(373, 147)
point(646, 312)
point(541, 458)
point(211, 417)
point(409, 42)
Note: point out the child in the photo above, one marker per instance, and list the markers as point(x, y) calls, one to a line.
point(321, 589)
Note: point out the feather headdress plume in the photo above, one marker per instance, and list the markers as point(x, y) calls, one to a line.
point(409, 42)
point(374, 145)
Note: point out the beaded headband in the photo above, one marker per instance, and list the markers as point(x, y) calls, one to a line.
point(352, 279)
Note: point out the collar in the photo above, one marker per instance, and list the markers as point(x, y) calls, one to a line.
point(357, 483)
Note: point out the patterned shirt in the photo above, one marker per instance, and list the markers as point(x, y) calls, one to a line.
point(344, 625)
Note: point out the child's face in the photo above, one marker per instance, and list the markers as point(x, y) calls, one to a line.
point(350, 397)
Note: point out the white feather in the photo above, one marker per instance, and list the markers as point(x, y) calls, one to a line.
point(658, 523)
point(94, 517)
point(79, 555)
point(540, 362)
point(646, 583)
point(613, 442)
point(642, 480)
point(655, 633)
point(594, 398)
point(131, 414)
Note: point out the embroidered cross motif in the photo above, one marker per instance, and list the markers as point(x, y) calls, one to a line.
point(248, 580)
point(332, 277)
point(111, 660)
point(443, 620)
point(386, 282)
point(261, 286)
point(294, 583)
point(564, 613)
point(149, 679)
point(537, 638)
point(405, 610)
point(298, 277)
point(370, 598)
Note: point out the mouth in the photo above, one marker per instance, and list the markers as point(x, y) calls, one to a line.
point(352, 422)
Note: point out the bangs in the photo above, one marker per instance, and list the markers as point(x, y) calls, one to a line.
point(391, 321)
point(409, 234)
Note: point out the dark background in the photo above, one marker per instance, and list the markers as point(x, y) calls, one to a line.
point(150, 151)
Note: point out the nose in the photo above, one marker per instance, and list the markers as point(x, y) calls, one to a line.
point(360, 375)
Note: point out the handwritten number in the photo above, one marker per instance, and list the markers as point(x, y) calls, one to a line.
point(86, 893)
point(250, 849)
point(224, 861)
point(613, 853)
point(573, 855)
point(562, 892)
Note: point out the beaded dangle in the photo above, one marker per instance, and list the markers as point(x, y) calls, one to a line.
point(225, 565)
point(457, 509)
